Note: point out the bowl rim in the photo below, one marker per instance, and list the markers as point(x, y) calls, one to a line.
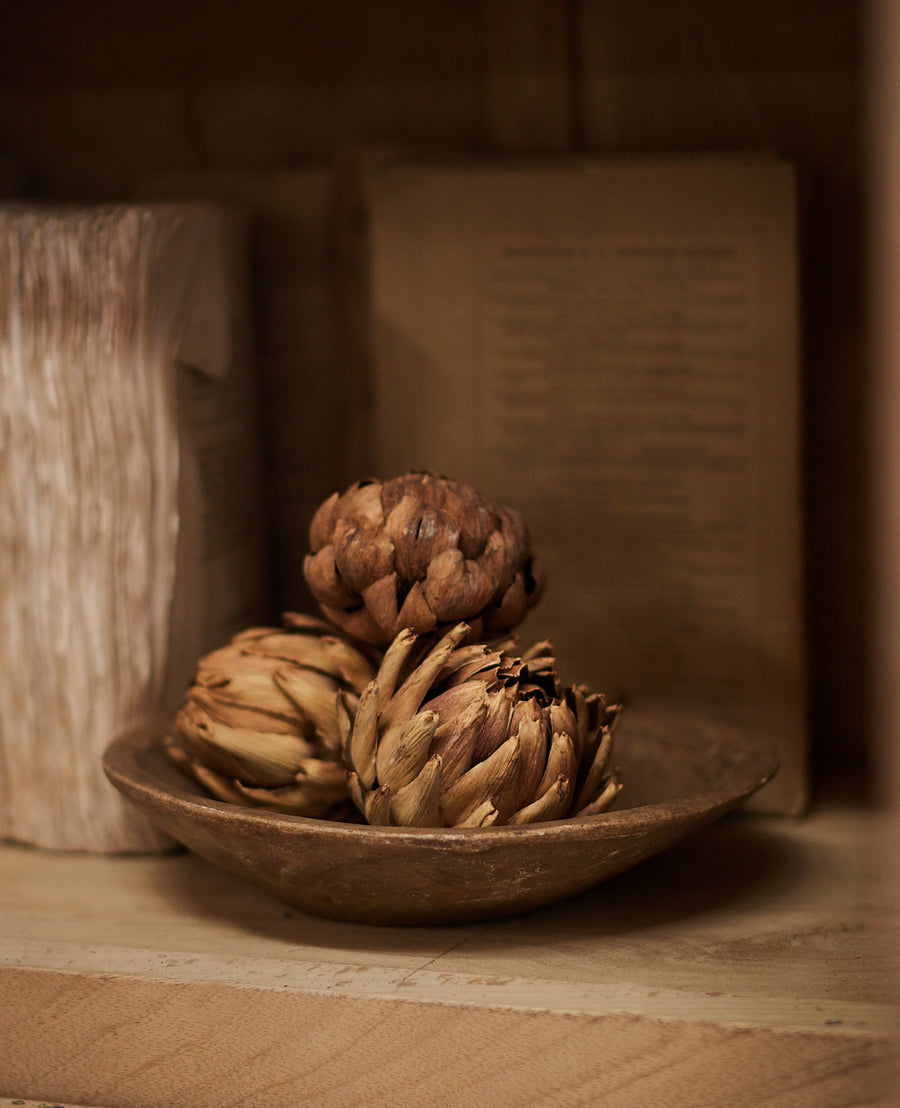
point(120, 763)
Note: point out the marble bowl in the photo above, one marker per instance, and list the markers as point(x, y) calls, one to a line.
point(680, 772)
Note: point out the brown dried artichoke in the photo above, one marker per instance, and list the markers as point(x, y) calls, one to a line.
point(421, 552)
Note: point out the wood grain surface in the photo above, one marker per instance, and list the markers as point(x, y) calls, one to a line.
point(749, 965)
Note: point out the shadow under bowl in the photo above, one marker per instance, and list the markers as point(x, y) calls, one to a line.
point(680, 772)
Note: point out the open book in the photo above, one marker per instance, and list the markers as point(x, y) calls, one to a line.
point(613, 348)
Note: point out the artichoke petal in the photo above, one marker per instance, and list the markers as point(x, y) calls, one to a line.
point(225, 705)
point(451, 702)
point(485, 815)
point(403, 750)
point(467, 662)
point(346, 711)
point(267, 758)
point(563, 721)
point(358, 622)
point(551, 804)
point(363, 504)
point(322, 524)
point(316, 697)
point(303, 798)
point(377, 807)
point(604, 799)
point(356, 791)
point(380, 599)
point(421, 533)
point(221, 787)
point(532, 736)
point(499, 560)
point(318, 773)
point(415, 611)
point(561, 762)
point(359, 750)
point(493, 779)
point(407, 699)
point(325, 579)
point(395, 658)
point(321, 653)
point(455, 586)
point(455, 739)
point(496, 725)
point(417, 804)
point(595, 770)
point(363, 555)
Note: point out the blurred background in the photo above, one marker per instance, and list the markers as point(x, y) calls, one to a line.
point(108, 100)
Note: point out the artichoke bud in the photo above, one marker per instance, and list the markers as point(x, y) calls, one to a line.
point(450, 733)
point(264, 720)
point(419, 551)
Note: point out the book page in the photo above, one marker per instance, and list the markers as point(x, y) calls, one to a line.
point(613, 349)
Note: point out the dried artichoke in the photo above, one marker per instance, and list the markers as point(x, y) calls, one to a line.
point(423, 552)
point(476, 736)
point(259, 725)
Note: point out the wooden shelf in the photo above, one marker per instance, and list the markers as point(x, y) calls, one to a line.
point(749, 965)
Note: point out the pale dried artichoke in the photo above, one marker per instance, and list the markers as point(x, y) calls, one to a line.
point(259, 724)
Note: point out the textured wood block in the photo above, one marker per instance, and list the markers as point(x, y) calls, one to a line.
point(128, 493)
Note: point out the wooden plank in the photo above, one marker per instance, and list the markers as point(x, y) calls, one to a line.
point(753, 961)
point(136, 1043)
point(18, 1102)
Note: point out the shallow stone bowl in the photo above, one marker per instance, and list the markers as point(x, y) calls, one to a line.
point(680, 772)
